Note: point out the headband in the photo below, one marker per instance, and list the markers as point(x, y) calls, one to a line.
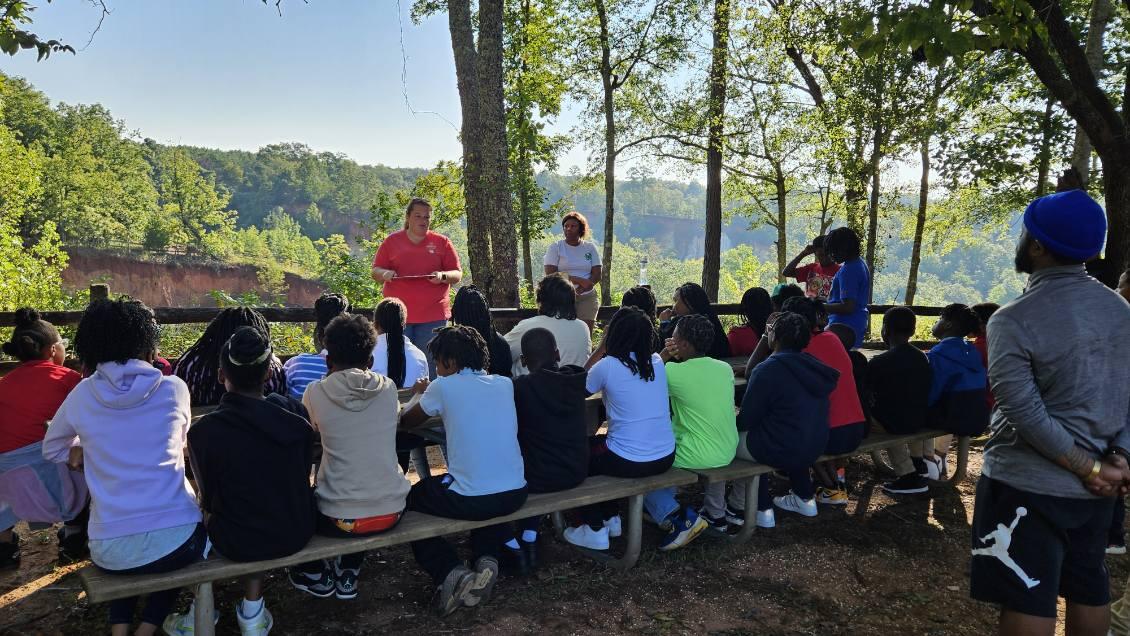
point(262, 357)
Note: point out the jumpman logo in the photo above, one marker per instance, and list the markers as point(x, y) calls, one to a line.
point(1002, 539)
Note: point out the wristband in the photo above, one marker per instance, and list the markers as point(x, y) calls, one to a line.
point(1094, 470)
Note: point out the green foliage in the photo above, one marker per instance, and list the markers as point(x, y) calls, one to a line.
point(345, 272)
point(15, 14)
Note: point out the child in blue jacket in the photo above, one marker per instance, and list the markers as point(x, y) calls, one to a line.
point(957, 394)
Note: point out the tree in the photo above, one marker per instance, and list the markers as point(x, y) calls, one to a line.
point(189, 196)
point(716, 112)
point(15, 14)
point(1045, 34)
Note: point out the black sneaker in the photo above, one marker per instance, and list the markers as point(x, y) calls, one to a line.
point(345, 582)
point(74, 548)
point(321, 585)
point(717, 524)
point(514, 562)
point(909, 484)
point(531, 552)
point(736, 517)
point(10, 553)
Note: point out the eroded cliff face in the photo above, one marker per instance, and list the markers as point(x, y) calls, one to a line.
point(160, 284)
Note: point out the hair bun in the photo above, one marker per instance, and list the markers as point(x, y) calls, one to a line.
point(26, 317)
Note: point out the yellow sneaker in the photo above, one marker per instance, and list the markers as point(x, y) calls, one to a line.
point(832, 497)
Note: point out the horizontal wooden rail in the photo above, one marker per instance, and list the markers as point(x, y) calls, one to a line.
point(199, 315)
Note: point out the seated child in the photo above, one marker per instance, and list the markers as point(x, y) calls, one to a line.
point(305, 368)
point(899, 379)
point(361, 490)
point(557, 312)
point(641, 298)
point(126, 426)
point(783, 421)
point(36, 490)
point(251, 458)
point(957, 394)
point(198, 366)
point(485, 470)
point(985, 311)
point(756, 307)
point(470, 308)
point(691, 298)
point(395, 356)
point(701, 390)
point(552, 433)
point(783, 292)
point(845, 416)
point(858, 364)
point(640, 440)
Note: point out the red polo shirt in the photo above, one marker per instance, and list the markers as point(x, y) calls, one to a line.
point(29, 397)
point(426, 301)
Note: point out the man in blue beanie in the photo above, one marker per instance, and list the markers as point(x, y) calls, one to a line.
point(1060, 436)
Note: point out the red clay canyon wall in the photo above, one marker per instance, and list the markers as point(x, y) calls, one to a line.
point(174, 284)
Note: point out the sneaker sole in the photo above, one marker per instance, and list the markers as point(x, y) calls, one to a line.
point(692, 533)
point(831, 502)
point(345, 596)
point(906, 491)
point(311, 592)
point(1118, 550)
point(480, 589)
point(457, 594)
point(267, 629)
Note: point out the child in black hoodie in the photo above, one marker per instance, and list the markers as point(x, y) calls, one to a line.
point(552, 433)
point(252, 458)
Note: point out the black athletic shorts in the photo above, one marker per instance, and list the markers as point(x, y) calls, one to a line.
point(1029, 549)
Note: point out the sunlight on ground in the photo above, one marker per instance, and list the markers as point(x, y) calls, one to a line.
point(31, 587)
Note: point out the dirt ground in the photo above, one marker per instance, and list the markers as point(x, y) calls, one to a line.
point(882, 566)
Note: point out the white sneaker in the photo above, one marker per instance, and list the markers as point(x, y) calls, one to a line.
point(933, 468)
point(615, 529)
point(766, 518)
point(258, 625)
point(185, 624)
point(585, 537)
point(793, 503)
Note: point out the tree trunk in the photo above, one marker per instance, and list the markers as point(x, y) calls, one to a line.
point(782, 221)
point(712, 245)
point(497, 205)
point(524, 171)
point(467, 80)
point(873, 211)
point(609, 153)
point(1045, 155)
point(1101, 13)
point(920, 221)
point(1116, 192)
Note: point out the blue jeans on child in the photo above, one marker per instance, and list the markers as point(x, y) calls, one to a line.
point(420, 334)
point(661, 504)
point(159, 603)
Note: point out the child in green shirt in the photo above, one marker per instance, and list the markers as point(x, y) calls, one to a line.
point(706, 435)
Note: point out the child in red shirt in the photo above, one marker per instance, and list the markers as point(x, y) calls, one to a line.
point(985, 311)
point(29, 397)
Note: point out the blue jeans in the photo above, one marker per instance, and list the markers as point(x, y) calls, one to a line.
point(421, 334)
point(661, 504)
point(159, 603)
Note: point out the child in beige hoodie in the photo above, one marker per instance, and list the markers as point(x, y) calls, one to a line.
point(361, 489)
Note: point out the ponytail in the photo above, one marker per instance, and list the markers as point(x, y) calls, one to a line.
point(30, 336)
point(390, 316)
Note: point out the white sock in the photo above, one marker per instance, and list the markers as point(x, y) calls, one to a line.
point(250, 609)
point(530, 536)
point(513, 544)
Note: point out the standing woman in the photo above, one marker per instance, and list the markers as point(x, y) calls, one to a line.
point(851, 287)
point(579, 260)
point(419, 267)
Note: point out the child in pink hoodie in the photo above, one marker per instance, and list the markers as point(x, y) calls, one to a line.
point(126, 426)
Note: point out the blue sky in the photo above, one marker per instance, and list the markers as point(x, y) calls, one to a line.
point(235, 74)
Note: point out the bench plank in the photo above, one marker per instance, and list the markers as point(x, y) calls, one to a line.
point(102, 586)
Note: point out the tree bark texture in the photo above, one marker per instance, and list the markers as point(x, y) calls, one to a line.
point(497, 204)
point(712, 244)
point(609, 87)
point(1102, 11)
point(467, 80)
point(873, 209)
point(920, 221)
point(1043, 166)
point(779, 182)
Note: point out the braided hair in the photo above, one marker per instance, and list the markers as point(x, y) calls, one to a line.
point(756, 307)
point(328, 306)
point(350, 340)
point(697, 331)
point(629, 333)
point(115, 331)
point(695, 298)
point(804, 307)
point(460, 345)
point(641, 298)
point(791, 332)
point(199, 366)
point(556, 297)
point(391, 316)
point(31, 336)
point(470, 308)
point(246, 359)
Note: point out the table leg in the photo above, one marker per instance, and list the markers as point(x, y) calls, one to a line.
point(750, 525)
point(204, 621)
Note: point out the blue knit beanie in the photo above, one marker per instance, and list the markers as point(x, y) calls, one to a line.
point(1069, 224)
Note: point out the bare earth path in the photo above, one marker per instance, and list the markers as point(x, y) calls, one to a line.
point(882, 566)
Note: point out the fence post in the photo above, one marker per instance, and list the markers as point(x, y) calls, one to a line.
point(99, 291)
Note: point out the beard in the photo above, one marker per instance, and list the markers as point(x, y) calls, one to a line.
point(1023, 260)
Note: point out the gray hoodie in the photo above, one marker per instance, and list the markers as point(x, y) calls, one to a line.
point(357, 412)
point(1059, 367)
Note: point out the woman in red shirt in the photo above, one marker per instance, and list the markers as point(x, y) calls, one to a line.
point(419, 267)
point(29, 396)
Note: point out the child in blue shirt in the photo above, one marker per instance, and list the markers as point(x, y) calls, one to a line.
point(851, 288)
point(485, 477)
point(305, 368)
point(957, 394)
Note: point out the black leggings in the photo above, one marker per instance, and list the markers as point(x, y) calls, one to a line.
point(159, 604)
point(604, 462)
